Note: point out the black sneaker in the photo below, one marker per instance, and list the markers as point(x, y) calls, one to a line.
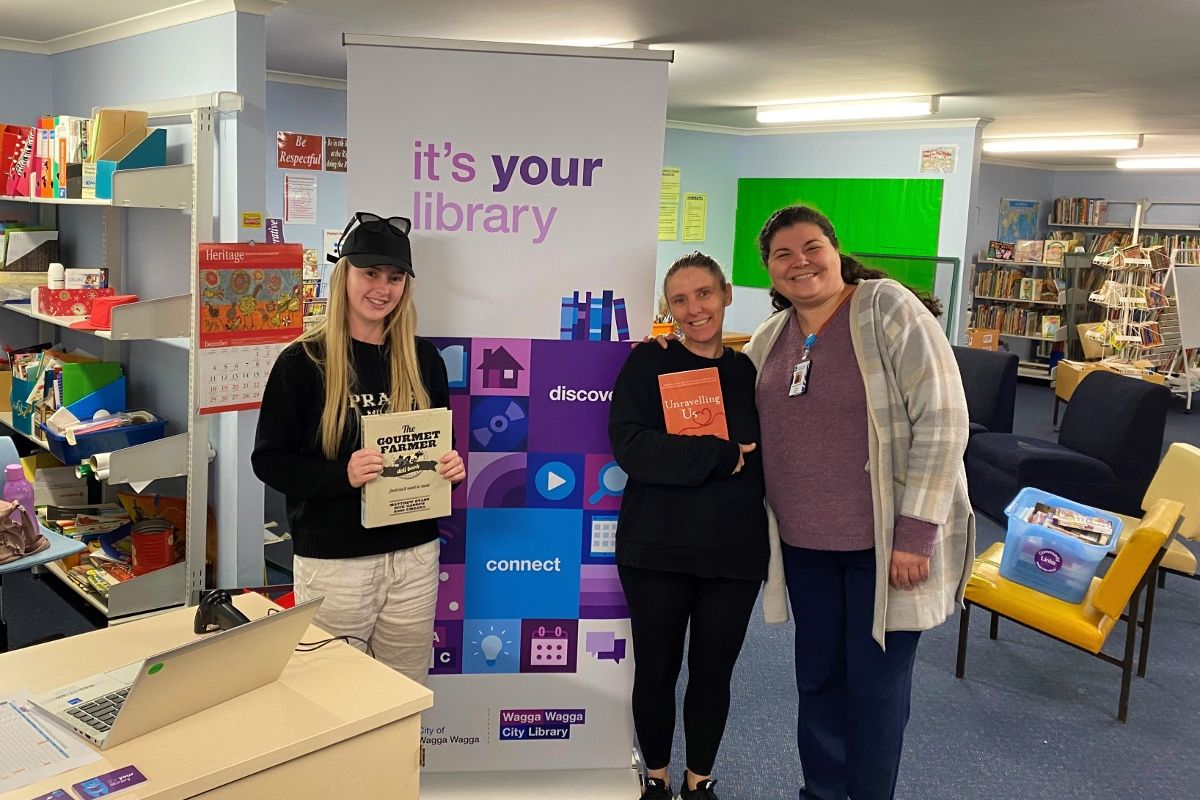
point(705, 790)
point(656, 789)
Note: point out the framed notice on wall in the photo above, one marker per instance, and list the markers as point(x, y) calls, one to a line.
point(250, 310)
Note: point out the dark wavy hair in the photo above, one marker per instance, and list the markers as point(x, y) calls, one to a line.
point(696, 259)
point(852, 270)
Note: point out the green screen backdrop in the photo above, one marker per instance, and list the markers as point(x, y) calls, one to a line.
point(896, 216)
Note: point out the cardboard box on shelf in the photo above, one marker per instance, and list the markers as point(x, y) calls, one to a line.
point(983, 338)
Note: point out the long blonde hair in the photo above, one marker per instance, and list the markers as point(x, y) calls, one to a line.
point(330, 348)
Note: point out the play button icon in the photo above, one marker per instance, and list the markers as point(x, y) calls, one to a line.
point(555, 481)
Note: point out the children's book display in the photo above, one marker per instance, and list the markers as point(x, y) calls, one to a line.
point(410, 488)
point(1133, 297)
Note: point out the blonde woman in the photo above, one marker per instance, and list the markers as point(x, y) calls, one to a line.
point(379, 585)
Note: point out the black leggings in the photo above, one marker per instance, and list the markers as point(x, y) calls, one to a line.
point(660, 607)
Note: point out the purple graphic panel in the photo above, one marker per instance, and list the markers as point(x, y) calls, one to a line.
point(569, 393)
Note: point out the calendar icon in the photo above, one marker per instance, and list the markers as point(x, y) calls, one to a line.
point(548, 647)
point(604, 535)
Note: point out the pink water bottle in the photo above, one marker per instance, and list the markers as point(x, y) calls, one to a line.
point(18, 489)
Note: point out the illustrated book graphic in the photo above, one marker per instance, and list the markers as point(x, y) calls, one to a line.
point(410, 488)
point(693, 404)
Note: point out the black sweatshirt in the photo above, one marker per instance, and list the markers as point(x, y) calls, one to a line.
point(324, 510)
point(682, 510)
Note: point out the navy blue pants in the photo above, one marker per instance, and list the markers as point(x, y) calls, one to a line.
point(854, 695)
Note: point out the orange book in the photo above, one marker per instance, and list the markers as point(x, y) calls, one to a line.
point(693, 404)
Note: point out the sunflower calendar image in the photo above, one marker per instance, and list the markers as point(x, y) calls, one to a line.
point(249, 310)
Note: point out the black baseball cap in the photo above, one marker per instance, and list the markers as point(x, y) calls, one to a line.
point(376, 241)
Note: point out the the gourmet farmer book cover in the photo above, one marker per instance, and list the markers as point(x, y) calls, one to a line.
point(692, 403)
point(410, 488)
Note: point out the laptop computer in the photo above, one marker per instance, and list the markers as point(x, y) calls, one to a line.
point(122, 704)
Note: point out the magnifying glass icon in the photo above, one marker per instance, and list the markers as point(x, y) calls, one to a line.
point(612, 481)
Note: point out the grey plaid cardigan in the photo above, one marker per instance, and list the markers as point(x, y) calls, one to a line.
point(917, 421)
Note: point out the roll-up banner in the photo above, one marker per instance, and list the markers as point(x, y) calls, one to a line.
point(531, 176)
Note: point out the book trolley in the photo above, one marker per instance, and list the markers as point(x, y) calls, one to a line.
point(187, 189)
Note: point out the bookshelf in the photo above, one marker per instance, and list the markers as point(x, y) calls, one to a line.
point(186, 188)
point(1030, 304)
point(1092, 215)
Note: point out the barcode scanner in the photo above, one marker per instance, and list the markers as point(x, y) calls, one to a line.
point(216, 613)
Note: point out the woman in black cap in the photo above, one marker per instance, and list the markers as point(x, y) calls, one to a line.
point(380, 585)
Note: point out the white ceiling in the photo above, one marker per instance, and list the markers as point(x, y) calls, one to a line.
point(1035, 67)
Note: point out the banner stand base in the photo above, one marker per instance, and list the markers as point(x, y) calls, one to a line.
point(578, 784)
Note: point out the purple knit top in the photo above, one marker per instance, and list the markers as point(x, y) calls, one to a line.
point(815, 446)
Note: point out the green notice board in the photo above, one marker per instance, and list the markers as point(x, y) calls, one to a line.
point(898, 216)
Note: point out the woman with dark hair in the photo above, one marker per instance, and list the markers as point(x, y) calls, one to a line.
point(692, 533)
point(864, 424)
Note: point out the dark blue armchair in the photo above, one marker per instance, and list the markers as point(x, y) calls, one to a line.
point(1108, 448)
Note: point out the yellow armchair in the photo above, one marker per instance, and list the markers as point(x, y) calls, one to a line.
point(1085, 625)
point(1177, 478)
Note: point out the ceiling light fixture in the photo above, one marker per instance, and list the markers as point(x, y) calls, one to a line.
point(1062, 144)
point(1181, 162)
point(837, 110)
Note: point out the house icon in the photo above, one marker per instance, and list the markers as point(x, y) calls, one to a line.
point(499, 369)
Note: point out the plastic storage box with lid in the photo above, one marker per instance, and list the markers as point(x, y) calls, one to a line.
point(89, 444)
point(1053, 563)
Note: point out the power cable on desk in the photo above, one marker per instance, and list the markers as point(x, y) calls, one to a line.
point(308, 647)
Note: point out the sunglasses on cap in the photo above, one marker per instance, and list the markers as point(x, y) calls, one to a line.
point(372, 223)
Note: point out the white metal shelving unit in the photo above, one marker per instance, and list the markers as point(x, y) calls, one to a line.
point(186, 188)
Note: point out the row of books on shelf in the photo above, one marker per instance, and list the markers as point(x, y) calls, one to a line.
point(1011, 284)
point(1079, 211)
point(1035, 251)
point(75, 157)
point(1017, 321)
point(1188, 245)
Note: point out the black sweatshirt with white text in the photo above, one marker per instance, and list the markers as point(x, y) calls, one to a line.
point(322, 507)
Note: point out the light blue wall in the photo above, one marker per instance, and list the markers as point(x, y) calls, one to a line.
point(1122, 185)
point(707, 163)
point(26, 90)
point(322, 112)
point(1001, 182)
point(713, 163)
point(173, 62)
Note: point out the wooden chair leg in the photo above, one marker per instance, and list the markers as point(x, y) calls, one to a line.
point(1147, 621)
point(994, 629)
point(1162, 579)
point(964, 624)
point(1127, 662)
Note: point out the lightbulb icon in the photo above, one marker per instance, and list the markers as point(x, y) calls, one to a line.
point(491, 645)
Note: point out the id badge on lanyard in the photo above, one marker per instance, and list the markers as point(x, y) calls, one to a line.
point(799, 383)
